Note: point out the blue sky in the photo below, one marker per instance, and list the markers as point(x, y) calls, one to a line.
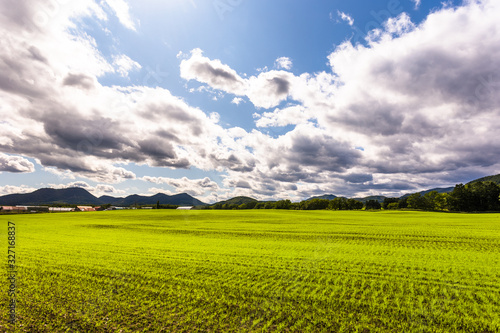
point(270, 99)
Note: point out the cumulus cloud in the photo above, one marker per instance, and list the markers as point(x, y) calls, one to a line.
point(283, 63)
point(57, 112)
point(212, 72)
point(416, 100)
point(98, 190)
point(15, 164)
point(10, 189)
point(237, 100)
point(413, 90)
point(291, 115)
point(266, 90)
point(79, 80)
point(79, 184)
point(415, 104)
point(186, 185)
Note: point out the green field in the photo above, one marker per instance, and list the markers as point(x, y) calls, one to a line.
point(255, 271)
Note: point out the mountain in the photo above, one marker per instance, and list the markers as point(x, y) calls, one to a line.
point(109, 199)
point(325, 196)
point(79, 196)
point(46, 196)
point(438, 190)
point(495, 179)
point(237, 201)
point(182, 199)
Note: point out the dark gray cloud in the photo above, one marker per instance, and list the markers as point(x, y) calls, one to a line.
point(357, 178)
point(212, 72)
point(233, 163)
point(217, 75)
point(281, 85)
point(79, 80)
point(156, 149)
point(166, 112)
point(320, 152)
point(371, 117)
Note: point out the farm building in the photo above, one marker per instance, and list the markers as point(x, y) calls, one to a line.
point(85, 209)
point(60, 209)
point(185, 208)
point(13, 208)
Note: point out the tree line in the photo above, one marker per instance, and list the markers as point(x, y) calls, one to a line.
point(473, 197)
point(313, 204)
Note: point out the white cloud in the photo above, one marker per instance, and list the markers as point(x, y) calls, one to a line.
point(156, 190)
point(418, 100)
point(212, 72)
point(105, 189)
point(79, 184)
point(73, 126)
point(417, 3)
point(123, 64)
point(122, 11)
point(9, 189)
point(416, 105)
point(193, 187)
point(283, 63)
point(346, 17)
point(237, 100)
point(266, 90)
point(291, 115)
point(17, 164)
point(98, 190)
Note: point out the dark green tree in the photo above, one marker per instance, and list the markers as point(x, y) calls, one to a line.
point(388, 201)
point(372, 204)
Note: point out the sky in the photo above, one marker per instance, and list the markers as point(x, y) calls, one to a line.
point(282, 99)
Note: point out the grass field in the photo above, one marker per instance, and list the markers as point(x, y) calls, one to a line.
point(255, 271)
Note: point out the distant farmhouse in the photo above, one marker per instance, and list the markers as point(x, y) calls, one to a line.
point(13, 208)
point(85, 209)
point(19, 209)
point(185, 208)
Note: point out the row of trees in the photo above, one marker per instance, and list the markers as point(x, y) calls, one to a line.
point(474, 197)
point(314, 204)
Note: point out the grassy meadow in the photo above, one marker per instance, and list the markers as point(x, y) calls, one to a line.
point(255, 271)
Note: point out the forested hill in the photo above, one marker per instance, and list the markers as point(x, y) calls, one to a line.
point(495, 179)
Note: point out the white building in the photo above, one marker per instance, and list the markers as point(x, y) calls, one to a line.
point(61, 209)
point(185, 208)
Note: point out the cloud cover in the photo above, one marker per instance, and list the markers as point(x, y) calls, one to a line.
point(413, 105)
point(419, 102)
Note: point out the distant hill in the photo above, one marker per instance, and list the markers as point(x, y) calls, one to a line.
point(438, 190)
point(495, 179)
point(109, 199)
point(47, 196)
point(182, 199)
point(325, 196)
point(237, 201)
point(80, 196)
